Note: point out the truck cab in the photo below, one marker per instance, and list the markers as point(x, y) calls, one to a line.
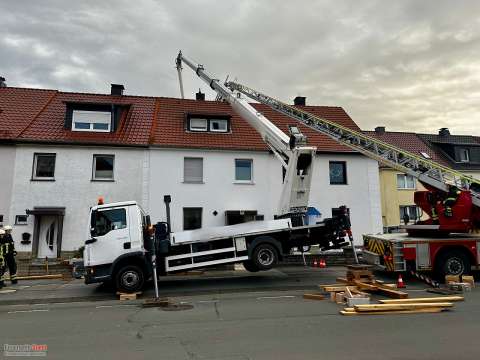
point(116, 240)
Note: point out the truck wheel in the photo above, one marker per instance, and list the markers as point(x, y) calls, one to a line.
point(453, 263)
point(129, 279)
point(264, 257)
point(250, 266)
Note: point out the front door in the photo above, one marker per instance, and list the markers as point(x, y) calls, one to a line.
point(48, 235)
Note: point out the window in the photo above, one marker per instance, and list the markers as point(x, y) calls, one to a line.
point(405, 181)
point(219, 125)
point(198, 124)
point(243, 170)
point(192, 218)
point(21, 219)
point(206, 123)
point(104, 221)
point(1, 219)
point(413, 213)
point(464, 155)
point(338, 173)
point(43, 166)
point(103, 167)
point(192, 170)
point(96, 121)
point(425, 155)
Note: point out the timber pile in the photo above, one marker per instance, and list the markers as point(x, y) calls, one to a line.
point(404, 306)
point(360, 279)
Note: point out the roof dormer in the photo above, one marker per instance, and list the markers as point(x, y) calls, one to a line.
point(86, 117)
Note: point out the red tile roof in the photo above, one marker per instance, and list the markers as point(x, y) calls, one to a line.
point(408, 141)
point(39, 115)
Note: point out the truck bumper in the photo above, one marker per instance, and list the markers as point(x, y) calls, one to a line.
point(97, 274)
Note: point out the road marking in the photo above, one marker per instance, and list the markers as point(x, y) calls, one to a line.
point(27, 311)
point(103, 306)
point(276, 297)
point(209, 301)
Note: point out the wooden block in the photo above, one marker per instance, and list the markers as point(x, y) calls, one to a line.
point(423, 300)
point(395, 307)
point(452, 278)
point(416, 311)
point(469, 280)
point(313, 296)
point(339, 297)
point(128, 297)
point(334, 288)
point(333, 296)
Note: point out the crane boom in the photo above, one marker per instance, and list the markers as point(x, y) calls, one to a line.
point(295, 156)
point(426, 171)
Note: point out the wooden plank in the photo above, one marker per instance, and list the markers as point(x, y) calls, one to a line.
point(424, 300)
point(348, 293)
point(393, 293)
point(364, 286)
point(40, 277)
point(452, 278)
point(416, 311)
point(343, 280)
point(334, 288)
point(394, 307)
point(313, 296)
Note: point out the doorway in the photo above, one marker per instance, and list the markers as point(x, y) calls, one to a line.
point(47, 232)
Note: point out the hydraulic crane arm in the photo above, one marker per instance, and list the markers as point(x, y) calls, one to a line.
point(296, 158)
point(426, 171)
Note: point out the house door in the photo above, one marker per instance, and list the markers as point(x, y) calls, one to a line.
point(48, 235)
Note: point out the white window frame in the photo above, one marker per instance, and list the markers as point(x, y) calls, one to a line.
point(412, 219)
point(225, 121)
point(198, 129)
point(236, 181)
point(34, 170)
point(405, 176)
point(187, 181)
point(465, 152)
point(21, 222)
point(91, 120)
point(94, 165)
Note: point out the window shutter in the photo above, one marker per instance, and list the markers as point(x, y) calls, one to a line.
point(193, 170)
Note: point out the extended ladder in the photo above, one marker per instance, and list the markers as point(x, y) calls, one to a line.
point(426, 171)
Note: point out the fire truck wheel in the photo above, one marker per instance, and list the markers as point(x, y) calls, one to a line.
point(264, 256)
point(249, 266)
point(129, 279)
point(453, 263)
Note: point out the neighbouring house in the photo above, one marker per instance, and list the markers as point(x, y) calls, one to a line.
point(60, 151)
point(397, 189)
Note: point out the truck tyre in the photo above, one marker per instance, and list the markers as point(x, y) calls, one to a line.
point(264, 257)
point(129, 279)
point(453, 263)
point(250, 266)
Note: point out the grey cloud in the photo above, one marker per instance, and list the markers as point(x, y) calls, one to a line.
point(410, 65)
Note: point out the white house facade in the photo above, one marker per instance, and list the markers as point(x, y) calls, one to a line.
point(218, 171)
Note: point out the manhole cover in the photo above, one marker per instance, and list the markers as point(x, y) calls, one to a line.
point(176, 307)
point(7, 291)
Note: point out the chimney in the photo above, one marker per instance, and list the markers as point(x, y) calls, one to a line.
point(299, 100)
point(200, 96)
point(116, 89)
point(444, 132)
point(380, 130)
point(2, 82)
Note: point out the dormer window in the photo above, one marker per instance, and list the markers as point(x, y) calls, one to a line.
point(208, 123)
point(97, 121)
point(464, 155)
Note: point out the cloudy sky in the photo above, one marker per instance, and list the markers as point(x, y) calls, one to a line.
point(412, 65)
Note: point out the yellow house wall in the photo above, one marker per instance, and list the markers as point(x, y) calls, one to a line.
point(393, 198)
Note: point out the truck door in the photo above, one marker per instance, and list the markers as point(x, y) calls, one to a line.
point(110, 230)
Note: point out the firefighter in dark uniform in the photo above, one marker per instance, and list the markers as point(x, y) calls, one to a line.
point(9, 254)
point(452, 197)
point(2, 258)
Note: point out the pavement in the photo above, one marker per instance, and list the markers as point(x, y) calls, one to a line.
point(234, 316)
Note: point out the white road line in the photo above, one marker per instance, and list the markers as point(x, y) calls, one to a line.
point(27, 311)
point(276, 297)
point(103, 306)
point(209, 301)
point(40, 304)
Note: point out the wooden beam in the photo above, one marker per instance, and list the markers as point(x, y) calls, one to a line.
point(416, 311)
point(40, 277)
point(313, 296)
point(424, 300)
point(394, 307)
point(392, 293)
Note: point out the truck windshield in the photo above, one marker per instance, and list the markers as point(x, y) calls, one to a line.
point(104, 221)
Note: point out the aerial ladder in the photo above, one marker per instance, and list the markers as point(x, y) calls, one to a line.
point(292, 151)
point(439, 180)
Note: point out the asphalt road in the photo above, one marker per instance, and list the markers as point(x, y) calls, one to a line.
point(262, 324)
